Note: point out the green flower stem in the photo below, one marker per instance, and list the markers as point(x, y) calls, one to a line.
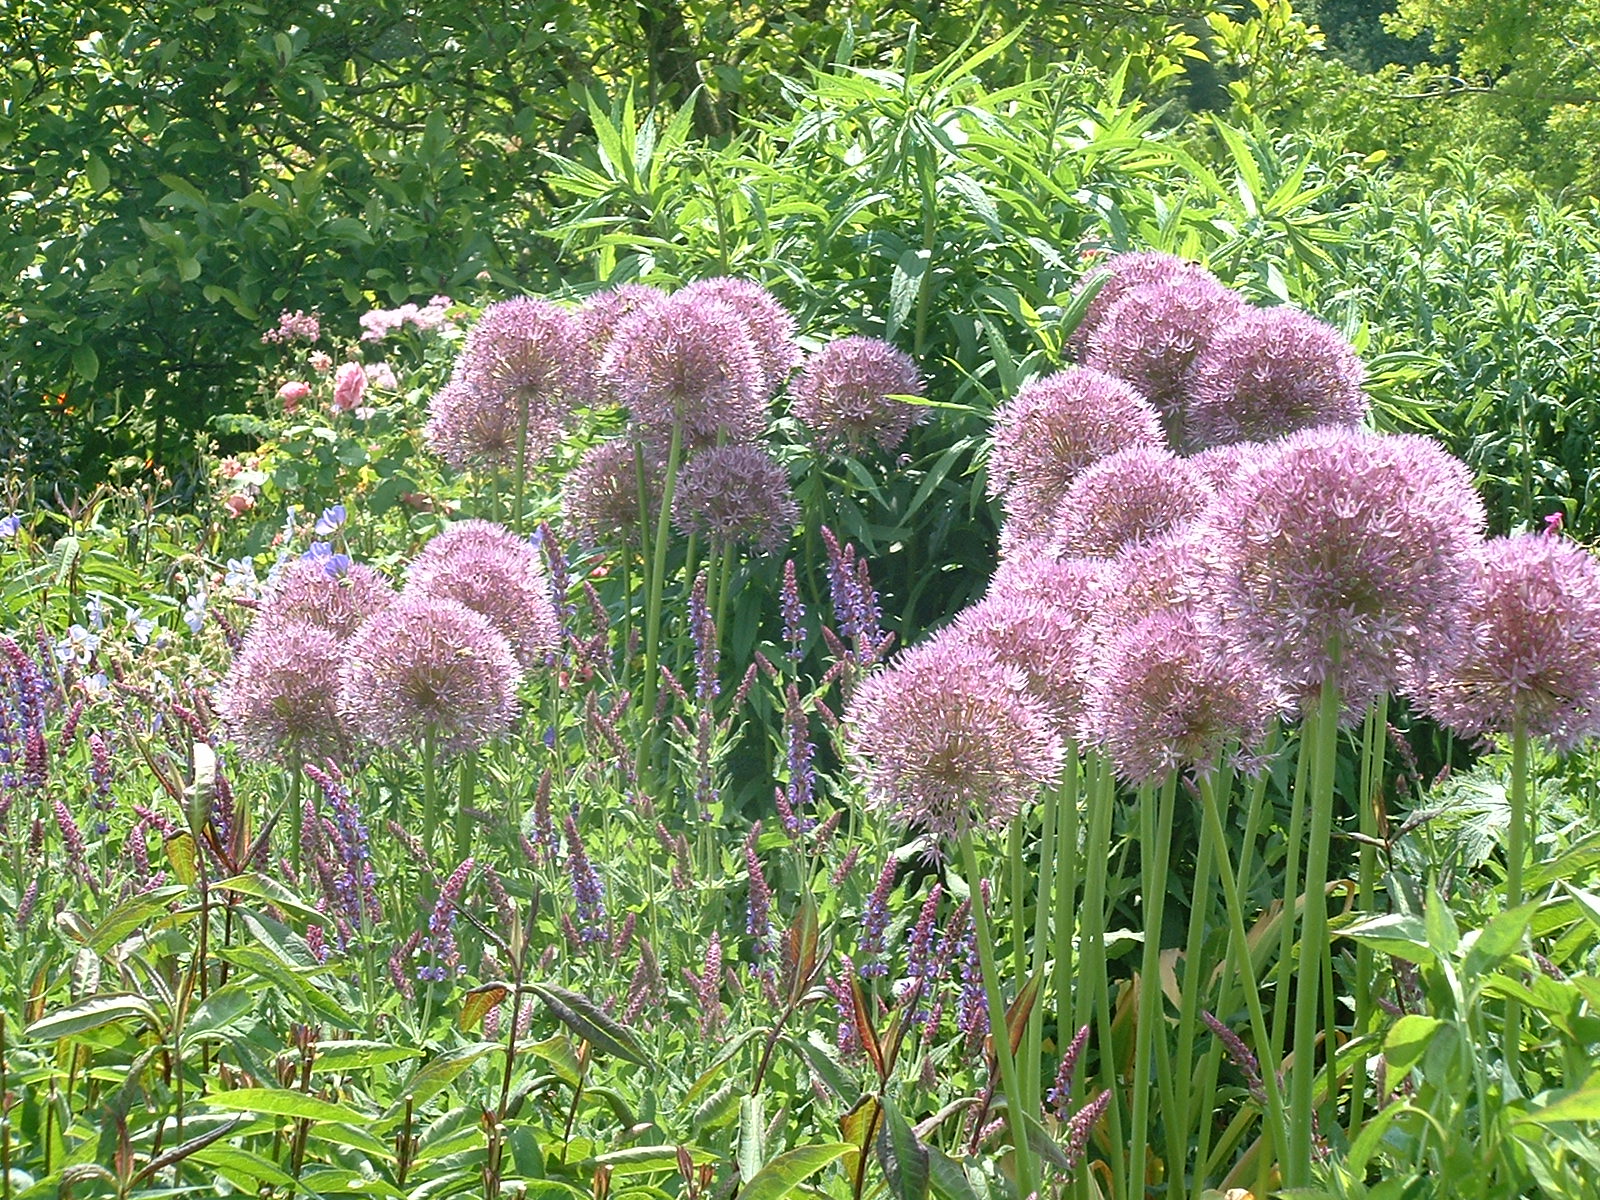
point(1094, 1000)
point(1155, 843)
point(1064, 892)
point(1244, 970)
point(1033, 1043)
point(1374, 749)
point(999, 1036)
point(652, 627)
point(296, 817)
point(1322, 731)
point(1516, 852)
point(469, 790)
point(1015, 906)
point(1195, 976)
point(430, 793)
point(522, 469)
point(1291, 893)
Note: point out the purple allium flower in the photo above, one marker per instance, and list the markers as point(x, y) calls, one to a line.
point(604, 311)
point(1352, 537)
point(1123, 273)
point(1042, 633)
point(600, 500)
point(308, 592)
point(687, 362)
point(1170, 692)
point(1531, 651)
point(493, 572)
point(278, 698)
point(769, 325)
point(531, 356)
point(947, 737)
point(843, 394)
point(469, 429)
point(429, 668)
point(735, 495)
point(1269, 372)
point(1171, 571)
point(1124, 499)
point(1052, 429)
point(1154, 332)
point(1221, 465)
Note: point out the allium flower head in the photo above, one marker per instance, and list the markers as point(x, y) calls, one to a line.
point(470, 429)
point(1172, 571)
point(948, 737)
point(1350, 536)
point(602, 313)
point(735, 495)
point(1269, 372)
point(530, 354)
point(769, 324)
point(1123, 273)
point(1124, 499)
point(330, 594)
point(1042, 638)
point(493, 572)
point(429, 668)
point(688, 362)
point(277, 699)
point(1052, 429)
point(1154, 332)
point(1532, 644)
point(842, 394)
point(1169, 692)
point(600, 499)
point(1221, 465)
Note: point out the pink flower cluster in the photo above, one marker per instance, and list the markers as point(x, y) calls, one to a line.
point(379, 323)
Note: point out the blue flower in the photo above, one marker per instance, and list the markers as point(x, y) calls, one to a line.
point(336, 565)
point(330, 520)
point(10, 525)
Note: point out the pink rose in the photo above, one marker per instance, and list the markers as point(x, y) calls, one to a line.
point(238, 504)
point(292, 393)
point(348, 386)
point(381, 376)
point(321, 361)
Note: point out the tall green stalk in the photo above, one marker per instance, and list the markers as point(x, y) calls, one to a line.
point(1516, 852)
point(1195, 979)
point(1322, 732)
point(999, 1036)
point(1155, 844)
point(464, 802)
point(1374, 749)
point(652, 629)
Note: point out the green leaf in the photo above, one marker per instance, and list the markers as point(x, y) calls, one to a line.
point(280, 1102)
point(1443, 935)
point(214, 1019)
point(85, 362)
point(355, 1055)
point(948, 1177)
point(1499, 939)
point(433, 1077)
point(1408, 1041)
point(585, 1018)
point(1400, 934)
point(131, 915)
point(904, 1158)
point(637, 1160)
point(261, 887)
point(903, 287)
point(752, 1136)
point(1580, 1104)
point(91, 1014)
point(792, 1168)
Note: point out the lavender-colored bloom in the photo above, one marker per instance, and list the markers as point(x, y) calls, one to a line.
point(735, 495)
point(875, 924)
point(843, 394)
point(278, 698)
point(854, 601)
point(1351, 539)
point(294, 326)
point(333, 564)
point(703, 632)
point(1152, 335)
point(948, 738)
point(769, 325)
point(429, 668)
point(708, 987)
point(600, 500)
point(1059, 1096)
point(309, 591)
point(355, 891)
point(1052, 429)
point(330, 520)
point(493, 572)
point(799, 791)
point(588, 892)
point(604, 311)
point(794, 615)
point(469, 428)
point(1169, 693)
point(10, 525)
point(1269, 372)
point(961, 936)
point(440, 942)
point(1123, 273)
point(1221, 465)
point(1125, 499)
point(758, 915)
point(687, 362)
point(99, 763)
point(531, 356)
point(1042, 633)
point(1531, 652)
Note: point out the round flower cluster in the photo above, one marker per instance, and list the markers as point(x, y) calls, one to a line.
point(490, 570)
point(735, 495)
point(600, 499)
point(277, 699)
point(845, 394)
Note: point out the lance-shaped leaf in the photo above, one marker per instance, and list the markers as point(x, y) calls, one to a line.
point(790, 1169)
point(585, 1018)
